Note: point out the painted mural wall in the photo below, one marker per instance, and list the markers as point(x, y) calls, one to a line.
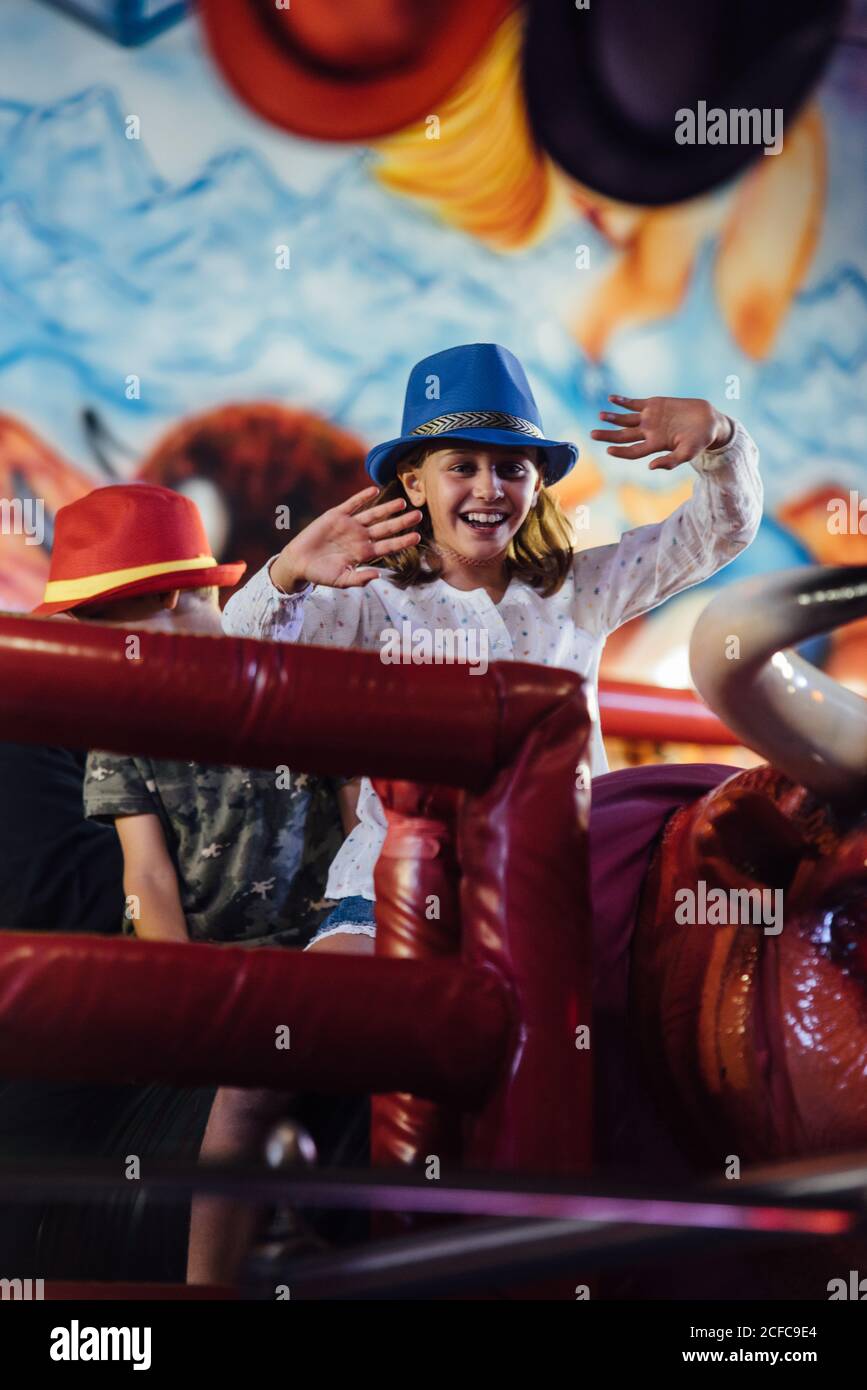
point(192, 296)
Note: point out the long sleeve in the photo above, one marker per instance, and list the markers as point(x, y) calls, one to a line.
point(317, 615)
point(651, 563)
point(261, 610)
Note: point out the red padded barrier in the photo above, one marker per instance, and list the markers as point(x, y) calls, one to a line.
point(526, 916)
point(91, 1009)
point(628, 709)
point(261, 704)
point(417, 890)
point(79, 1008)
point(417, 913)
point(526, 913)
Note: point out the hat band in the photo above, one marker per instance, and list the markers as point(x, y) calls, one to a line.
point(478, 420)
point(64, 590)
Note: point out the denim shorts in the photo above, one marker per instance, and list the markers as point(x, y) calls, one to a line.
point(352, 915)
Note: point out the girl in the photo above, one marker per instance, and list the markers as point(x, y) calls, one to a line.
point(485, 545)
point(465, 534)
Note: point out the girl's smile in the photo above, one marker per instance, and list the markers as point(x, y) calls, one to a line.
point(477, 496)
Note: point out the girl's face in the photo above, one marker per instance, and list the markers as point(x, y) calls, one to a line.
point(477, 495)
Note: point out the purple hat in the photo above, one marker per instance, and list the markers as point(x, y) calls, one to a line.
point(654, 103)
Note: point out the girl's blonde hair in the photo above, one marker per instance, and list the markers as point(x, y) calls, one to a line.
point(539, 554)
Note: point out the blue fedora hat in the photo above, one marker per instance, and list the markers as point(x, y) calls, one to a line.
point(478, 392)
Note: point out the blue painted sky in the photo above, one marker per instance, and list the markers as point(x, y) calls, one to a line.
point(156, 257)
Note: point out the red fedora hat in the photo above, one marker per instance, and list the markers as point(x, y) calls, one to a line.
point(130, 538)
point(345, 69)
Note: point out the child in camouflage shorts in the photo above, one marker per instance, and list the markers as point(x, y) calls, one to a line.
point(211, 853)
point(218, 853)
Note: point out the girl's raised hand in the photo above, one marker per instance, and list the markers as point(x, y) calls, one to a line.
point(682, 428)
point(329, 549)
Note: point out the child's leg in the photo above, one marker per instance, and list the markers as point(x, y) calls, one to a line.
point(341, 943)
point(222, 1228)
point(349, 929)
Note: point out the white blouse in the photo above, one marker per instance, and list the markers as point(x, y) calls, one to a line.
point(607, 586)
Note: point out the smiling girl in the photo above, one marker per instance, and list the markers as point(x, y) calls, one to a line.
point(466, 534)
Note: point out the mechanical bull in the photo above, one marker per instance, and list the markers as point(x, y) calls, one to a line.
point(756, 1036)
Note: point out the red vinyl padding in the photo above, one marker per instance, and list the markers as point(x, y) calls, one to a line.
point(526, 914)
point(418, 917)
point(517, 853)
point(92, 1009)
point(479, 1050)
point(262, 704)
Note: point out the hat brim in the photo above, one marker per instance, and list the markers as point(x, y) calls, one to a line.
point(560, 458)
point(218, 576)
point(596, 146)
point(280, 86)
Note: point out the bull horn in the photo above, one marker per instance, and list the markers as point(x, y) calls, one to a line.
point(806, 724)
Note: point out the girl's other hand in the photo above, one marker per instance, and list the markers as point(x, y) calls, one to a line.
point(682, 428)
point(329, 550)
